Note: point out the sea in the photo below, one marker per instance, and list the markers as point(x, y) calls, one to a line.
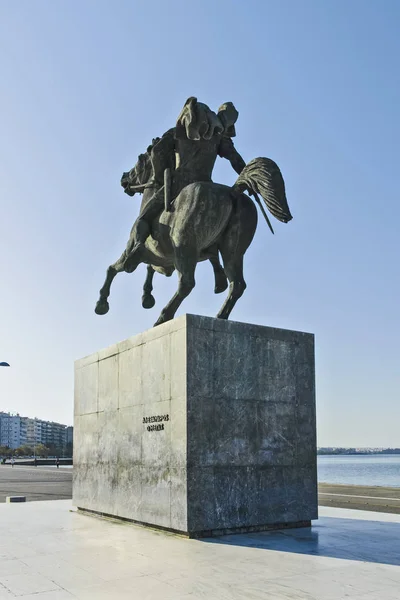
point(360, 469)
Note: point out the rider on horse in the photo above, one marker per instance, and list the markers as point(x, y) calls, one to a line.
point(207, 219)
point(189, 150)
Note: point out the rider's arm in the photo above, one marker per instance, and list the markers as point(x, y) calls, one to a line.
point(163, 155)
point(227, 150)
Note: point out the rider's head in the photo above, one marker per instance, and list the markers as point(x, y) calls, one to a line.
point(228, 115)
point(197, 121)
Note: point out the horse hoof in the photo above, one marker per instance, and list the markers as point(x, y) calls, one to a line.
point(221, 282)
point(221, 287)
point(148, 301)
point(102, 307)
point(161, 319)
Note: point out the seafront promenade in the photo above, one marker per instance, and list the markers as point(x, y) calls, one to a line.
point(49, 483)
point(36, 483)
point(360, 497)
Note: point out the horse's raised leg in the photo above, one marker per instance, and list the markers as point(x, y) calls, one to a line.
point(234, 270)
point(185, 264)
point(102, 306)
point(148, 300)
point(221, 282)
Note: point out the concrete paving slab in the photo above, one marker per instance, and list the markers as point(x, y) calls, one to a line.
point(49, 551)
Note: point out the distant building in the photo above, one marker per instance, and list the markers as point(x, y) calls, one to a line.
point(54, 434)
point(48, 433)
point(33, 431)
point(70, 435)
point(69, 449)
point(12, 431)
point(16, 431)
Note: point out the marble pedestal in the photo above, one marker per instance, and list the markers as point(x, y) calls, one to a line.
point(201, 426)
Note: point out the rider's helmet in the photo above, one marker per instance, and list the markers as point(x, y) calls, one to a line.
point(228, 115)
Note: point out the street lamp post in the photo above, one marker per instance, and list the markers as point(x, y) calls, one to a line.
point(5, 364)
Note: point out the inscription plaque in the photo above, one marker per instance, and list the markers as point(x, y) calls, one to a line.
point(157, 422)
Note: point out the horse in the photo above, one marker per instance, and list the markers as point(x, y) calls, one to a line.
point(206, 219)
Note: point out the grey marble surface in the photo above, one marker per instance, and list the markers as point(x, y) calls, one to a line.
point(237, 444)
point(49, 552)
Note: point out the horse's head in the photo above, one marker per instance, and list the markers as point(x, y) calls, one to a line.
point(136, 179)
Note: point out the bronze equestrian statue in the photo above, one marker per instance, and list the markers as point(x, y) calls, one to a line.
point(185, 217)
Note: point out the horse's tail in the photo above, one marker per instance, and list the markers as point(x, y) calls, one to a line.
point(263, 176)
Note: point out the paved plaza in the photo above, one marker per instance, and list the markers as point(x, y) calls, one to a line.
point(49, 551)
point(35, 483)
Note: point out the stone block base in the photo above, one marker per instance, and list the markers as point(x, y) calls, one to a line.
point(200, 534)
point(15, 498)
point(199, 426)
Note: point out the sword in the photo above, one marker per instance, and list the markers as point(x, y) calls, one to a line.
point(167, 189)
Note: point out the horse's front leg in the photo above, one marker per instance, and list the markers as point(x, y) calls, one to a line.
point(102, 306)
point(148, 300)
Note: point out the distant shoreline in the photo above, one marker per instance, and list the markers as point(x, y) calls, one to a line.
point(356, 452)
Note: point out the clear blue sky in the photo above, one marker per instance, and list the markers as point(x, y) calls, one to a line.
point(84, 88)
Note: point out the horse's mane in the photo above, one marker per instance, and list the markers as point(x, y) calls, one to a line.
point(143, 168)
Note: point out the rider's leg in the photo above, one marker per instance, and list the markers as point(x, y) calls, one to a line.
point(141, 230)
point(162, 156)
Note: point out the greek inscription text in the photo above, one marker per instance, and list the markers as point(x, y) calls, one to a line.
point(158, 420)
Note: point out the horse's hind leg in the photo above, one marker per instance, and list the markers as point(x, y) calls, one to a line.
point(237, 238)
point(185, 264)
point(102, 306)
point(234, 270)
point(148, 300)
point(221, 282)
